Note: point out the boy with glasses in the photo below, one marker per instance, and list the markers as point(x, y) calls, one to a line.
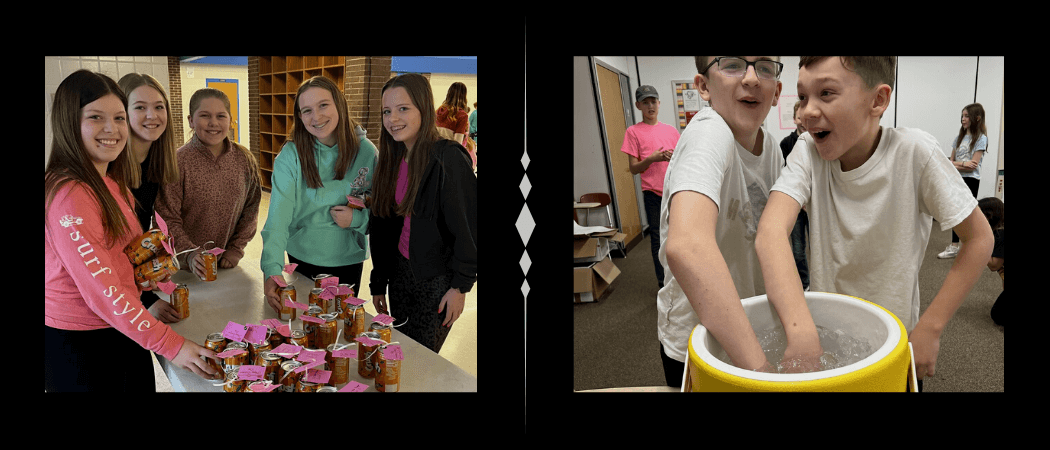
point(716, 187)
point(871, 193)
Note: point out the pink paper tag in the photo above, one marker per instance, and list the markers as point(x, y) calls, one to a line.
point(318, 376)
point(250, 372)
point(164, 229)
point(289, 268)
point(330, 281)
point(328, 293)
point(234, 331)
point(263, 387)
point(383, 319)
point(216, 251)
point(272, 323)
point(345, 353)
point(345, 290)
point(230, 352)
point(296, 305)
point(287, 350)
point(256, 334)
point(313, 319)
point(393, 352)
point(368, 341)
point(354, 386)
point(311, 356)
point(167, 286)
point(355, 301)
point(280, 280)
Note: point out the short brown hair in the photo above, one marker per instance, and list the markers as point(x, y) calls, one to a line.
point(874, 70)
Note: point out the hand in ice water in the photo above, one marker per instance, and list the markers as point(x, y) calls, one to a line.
point(802, 356)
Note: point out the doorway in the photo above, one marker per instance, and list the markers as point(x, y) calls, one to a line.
point(229, 87)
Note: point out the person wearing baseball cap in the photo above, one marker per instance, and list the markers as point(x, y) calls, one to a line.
point(649, 145)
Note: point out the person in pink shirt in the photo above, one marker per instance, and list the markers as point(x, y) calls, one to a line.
point(97, 334)
point(649, 145)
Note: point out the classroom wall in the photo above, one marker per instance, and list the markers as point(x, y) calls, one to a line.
point(929, 94)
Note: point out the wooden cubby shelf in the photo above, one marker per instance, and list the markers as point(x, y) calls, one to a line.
point(279, 78)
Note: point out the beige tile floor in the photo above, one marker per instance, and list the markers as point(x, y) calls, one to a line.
point(461, 346)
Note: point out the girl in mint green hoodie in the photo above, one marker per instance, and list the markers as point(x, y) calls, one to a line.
point(327, 159)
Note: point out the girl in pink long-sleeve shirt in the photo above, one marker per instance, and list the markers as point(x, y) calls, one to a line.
point(96, 331)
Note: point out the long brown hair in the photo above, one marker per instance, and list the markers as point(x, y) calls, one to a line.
point(391, 152)
point(456, 100)
point(345, 135)
point(163, 167)
point(70, 161)
point(977, 127)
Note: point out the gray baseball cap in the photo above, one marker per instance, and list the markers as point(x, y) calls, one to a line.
point(644, 92)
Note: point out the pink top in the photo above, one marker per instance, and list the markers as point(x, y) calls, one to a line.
point(88, 286)
point(399, 194)
point(640, 141)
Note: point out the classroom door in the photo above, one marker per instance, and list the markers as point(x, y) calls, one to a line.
point(612, 88)
point(229, 87)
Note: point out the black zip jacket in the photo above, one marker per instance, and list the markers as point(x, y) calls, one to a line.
point(444, 233)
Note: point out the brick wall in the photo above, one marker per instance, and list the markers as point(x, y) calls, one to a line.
point(175, 94)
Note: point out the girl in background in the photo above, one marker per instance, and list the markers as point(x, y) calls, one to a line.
point(967, 153)
point(152, 149)
point(217, 195)
point(328, 158)
point(424, 235)
point(92, 309)
point(452, 122)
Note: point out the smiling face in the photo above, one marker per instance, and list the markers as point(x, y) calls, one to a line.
point(840, 112)
point(743, 102)
point(147, 113)
point(401, 118)
point(211, 122)
point(104, 130)
point(319, 114)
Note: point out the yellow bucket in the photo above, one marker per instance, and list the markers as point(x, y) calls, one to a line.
point(886, 370)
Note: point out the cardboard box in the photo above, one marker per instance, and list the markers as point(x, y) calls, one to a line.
point(591, 281)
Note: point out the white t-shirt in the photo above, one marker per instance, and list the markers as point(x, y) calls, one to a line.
point(709, 160)
point(868, 228)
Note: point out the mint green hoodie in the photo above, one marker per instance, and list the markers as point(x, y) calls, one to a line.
point(299, 221)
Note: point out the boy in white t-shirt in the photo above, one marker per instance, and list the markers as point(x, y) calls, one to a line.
point(871, 194)
point(715, 189)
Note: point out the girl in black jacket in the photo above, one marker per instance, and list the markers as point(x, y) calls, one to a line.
point(424, 228)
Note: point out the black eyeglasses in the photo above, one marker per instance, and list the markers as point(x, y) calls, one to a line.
point(732, 66)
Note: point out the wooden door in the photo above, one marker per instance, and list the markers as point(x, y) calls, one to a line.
point(229, 87)
point(609, 85)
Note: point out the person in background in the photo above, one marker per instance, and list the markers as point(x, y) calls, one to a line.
point(801, 230)
point(967, 152)
point(649, 145)
point(994, 210)
point(451, 120)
